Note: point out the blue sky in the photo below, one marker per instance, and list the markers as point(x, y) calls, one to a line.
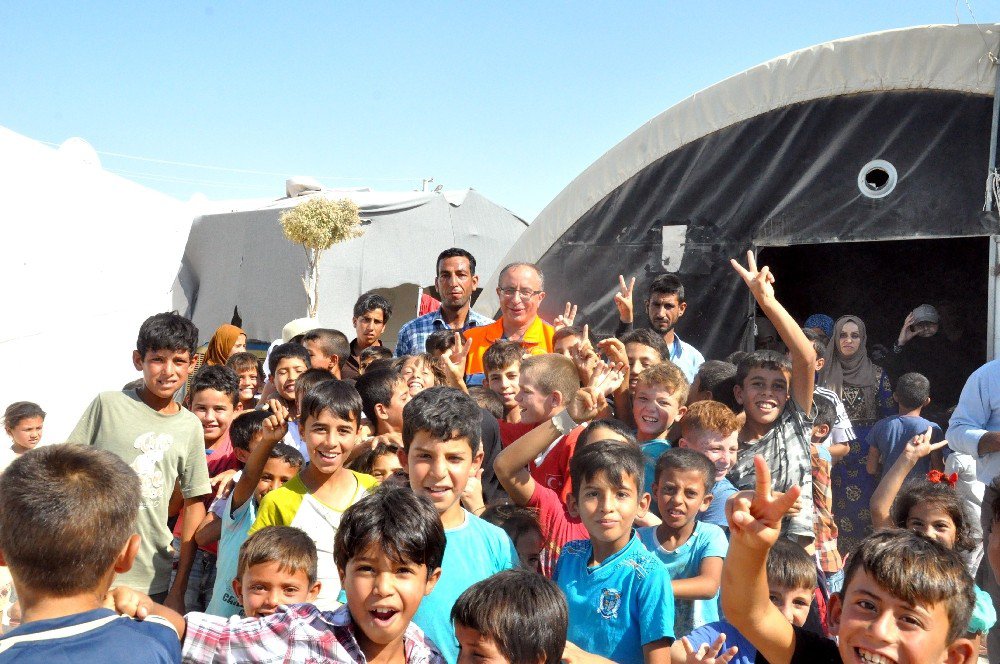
point(513, 99)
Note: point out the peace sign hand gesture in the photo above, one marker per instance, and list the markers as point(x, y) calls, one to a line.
point(566, 318)
point(623, 299)
point(760, 282)
point(755, 516)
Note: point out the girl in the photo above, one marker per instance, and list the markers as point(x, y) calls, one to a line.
point(23, 422)
point(380, 462)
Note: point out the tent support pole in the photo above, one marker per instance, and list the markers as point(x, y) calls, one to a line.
point(993, 130)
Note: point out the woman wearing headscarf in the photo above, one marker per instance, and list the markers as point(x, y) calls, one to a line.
point(228, 339)
point(864, 388)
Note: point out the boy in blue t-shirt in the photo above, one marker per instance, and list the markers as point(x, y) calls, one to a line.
point(660, 394)
point(442, 449)
point(620, 603)
point(691, 550)
point(67, 527)
point(889, 436)
point(712, 428)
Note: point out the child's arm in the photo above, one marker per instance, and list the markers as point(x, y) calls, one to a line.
point(194, 514)
point(135, 604)
point(274, 428)
point(703, 586)
point(754, 525)
point(657, 652)
point(874, 463)
point(885, 493)
point(511, 464)
point(683, 652)
point(573, 654)
point(761, 285)
point(210, 530)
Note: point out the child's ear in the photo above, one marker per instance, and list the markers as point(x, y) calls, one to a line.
point(571, 506)
point(477, 459)
point(127, 555)
point(314, 591)
point(557, 399)
point(926, 402)
point(432, 579)
point(961, 651)
point(706, 501)
point(239, 407)
point(820, 363)
point(682, 442)
point(403, 459)
point(833, 609)
point(381, 412)
point(137, 360)
point(738, 394)
point(680, 413)
point(238, 589)
point(644, 501)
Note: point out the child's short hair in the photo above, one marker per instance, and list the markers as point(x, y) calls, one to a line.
point(488, 399)
point(445, 413)
point(790, 567)
point(370, 302)
point(666, 374)
point(366, 461)
point(405, 526)
point(240, 362)
point(167, 331)
point(331, 342)
point(708, 417)
point(243, 428)
point(550, 373)
point(683, 459)
point(501, 355)
point(372, 354)
point(826, 412)
point(736, 357)
point(718, 378)
point(524, 614)
point(309, 379)
point(19, 411)
point(921, 491)
point(515, 521)
point(916, 570)
point(771, 360)
point(219, 378)
point(912, 390)
point(440, 341)
point(619, 427)
point(66, 511)
point(291, 548)
point(284, 351)
point(290, 455)
point(645, 337)
point(375, 387)
point(337, 396)
point(567, 331)
point(620, 463)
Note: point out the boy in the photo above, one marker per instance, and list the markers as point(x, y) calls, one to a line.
point(67, 527)
point(659, 401)
point(286, 363)
point(691, 550)
point(566, 340)
point(384, 393)
point(315, 499)
point(513, 617)
point(247, 367)
point(791, 580)
point(906, 598)
point(841, 433)
point(371, 313)
point(714, 382)
point(825, 526)
point(270, 465)
point(502, 364)
point(369, 356)
point(777, 399)
point(712, 428)
point(644, 348)
point(164, 444)
point(440, 341)
point(328, 349)
point(388, 550)
point(889, 436)
point(620, 603)
point(441, 438)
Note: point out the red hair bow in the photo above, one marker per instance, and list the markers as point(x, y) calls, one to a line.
point(937, 477)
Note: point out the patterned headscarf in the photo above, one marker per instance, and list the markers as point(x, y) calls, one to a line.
point(221, 343)
point(856, 370)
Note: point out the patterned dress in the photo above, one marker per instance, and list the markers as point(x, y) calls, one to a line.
point(852, 485)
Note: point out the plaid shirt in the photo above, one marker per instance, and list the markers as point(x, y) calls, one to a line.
point(412, 337)
point(826, 528)
point(299, 634)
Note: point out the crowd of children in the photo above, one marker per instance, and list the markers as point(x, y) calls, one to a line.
point(620, 501)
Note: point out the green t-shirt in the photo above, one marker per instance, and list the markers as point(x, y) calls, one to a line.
point(162, 449)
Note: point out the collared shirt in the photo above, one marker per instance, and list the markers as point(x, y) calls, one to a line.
point(686, 357)
point(978, 412)
point(412, 337)
point(298, 633)
point(537, 340)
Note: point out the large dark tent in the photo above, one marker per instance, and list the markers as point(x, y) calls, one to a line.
point(857, 168)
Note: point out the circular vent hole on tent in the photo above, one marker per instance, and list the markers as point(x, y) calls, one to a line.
point(877, 178)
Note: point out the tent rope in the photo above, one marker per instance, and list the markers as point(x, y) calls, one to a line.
point(992, 189)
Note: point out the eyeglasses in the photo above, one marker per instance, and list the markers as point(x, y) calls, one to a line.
point(525, 293)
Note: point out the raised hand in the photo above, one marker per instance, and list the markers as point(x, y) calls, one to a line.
point(920, 445)
point(454, 358)
point(708, 653)
point(566, 318)
point(614, 350)
point(584, 357)
point(907, 332)
point(760, 282)
point(472, 497)
point(223, 483)
point(607, 378)
point(586, 405)
point(755, 516)
point(623, 299)
point(276, 425)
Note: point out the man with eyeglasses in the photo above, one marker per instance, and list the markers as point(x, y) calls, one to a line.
point(521, 289)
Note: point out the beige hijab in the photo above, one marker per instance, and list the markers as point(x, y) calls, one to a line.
point(856, 370)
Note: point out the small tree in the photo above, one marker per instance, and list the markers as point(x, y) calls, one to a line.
point(318, 224)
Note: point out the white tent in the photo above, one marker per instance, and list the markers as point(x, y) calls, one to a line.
point(88, 256)
point(238, 260)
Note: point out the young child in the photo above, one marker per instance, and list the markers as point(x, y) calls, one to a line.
point(714, 382)
point(380, 461)
point(440, 341)
point(23, 422)
point(67, 527)
point(502, 364)
point(286, 363)
point(888, 436)
point(906, 598)
point(620, 603)
point(514, 617)
point(711, 428)
point(309, 379)
point(825, 527)
point(269, 465)
point(566, 340)
point(521, 525)
point(423, 371)
point(389, 551)
point(489, 401)
point(384, 393)
point(644, 348)
point(247, 367)
point(691, 550)
point(791, 581)
point(164, 444)
point(371, 355)
point(777, 398)
point(442, 450)
point(328, 349)
point(659, 401)
point(315, 499)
